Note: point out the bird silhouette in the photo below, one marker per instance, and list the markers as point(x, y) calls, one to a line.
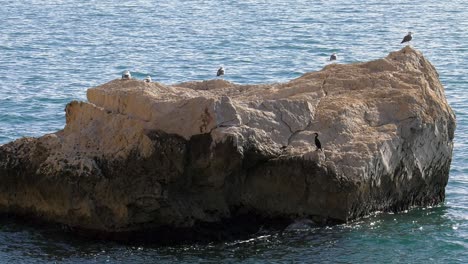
point(317, 142)
point(407, 38)
point(220, 71)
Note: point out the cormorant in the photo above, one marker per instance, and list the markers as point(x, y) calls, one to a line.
point(333, 57)
point(147, 79)
point(220, 71)
point(317, 142)
point(126, 75)
point(407, 38)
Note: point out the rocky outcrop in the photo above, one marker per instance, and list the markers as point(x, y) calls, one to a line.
point(146, 156)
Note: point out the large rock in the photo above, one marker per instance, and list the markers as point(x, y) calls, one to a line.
point(146, 156)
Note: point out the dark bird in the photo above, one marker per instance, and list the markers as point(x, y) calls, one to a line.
point(333, 57)
point(317, 142)
point(126, 75)
point(407, 38)
point(220, 71)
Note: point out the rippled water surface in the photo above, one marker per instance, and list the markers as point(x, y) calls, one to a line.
point(52, 51)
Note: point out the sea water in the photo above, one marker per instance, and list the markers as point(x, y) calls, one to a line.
point(51, 51)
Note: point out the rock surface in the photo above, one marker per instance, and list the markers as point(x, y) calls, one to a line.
point(146, 156)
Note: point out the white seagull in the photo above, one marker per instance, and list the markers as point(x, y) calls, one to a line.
point(147, 79)
point(126, 75)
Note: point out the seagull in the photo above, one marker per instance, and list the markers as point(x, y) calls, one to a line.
point(317, 142)
point(333, 57)
point(407, 38)
point(147, 79)
point(126, 75)
point(220, 71)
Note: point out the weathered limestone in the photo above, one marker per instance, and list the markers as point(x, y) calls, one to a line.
point(145, 156)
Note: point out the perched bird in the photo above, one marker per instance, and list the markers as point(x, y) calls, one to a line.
point(317, 142)
point(333, 57)
point(126, 75)
point(147, 79)
point(220, 71)
point(407, 38)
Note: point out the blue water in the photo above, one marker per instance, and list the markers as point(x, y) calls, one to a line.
point(52, 51)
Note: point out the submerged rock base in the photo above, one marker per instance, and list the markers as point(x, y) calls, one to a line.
point(215, 159)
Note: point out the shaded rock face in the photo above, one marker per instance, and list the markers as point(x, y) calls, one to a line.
point(204, 155)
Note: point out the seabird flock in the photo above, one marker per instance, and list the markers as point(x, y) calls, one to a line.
point(126, 75)
point(221, 71)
